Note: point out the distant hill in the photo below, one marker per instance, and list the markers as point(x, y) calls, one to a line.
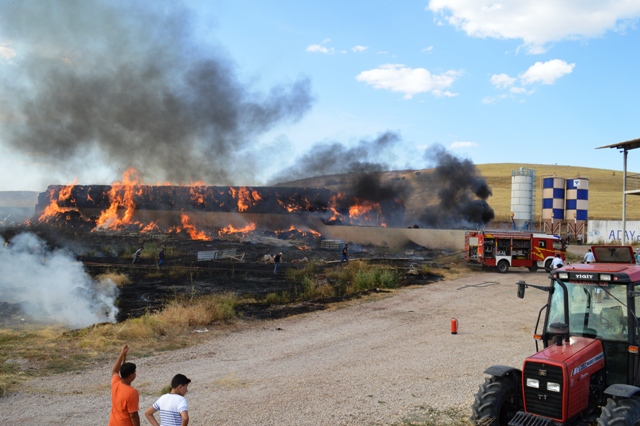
point(605, 188)
point(18, 198)
point(17, 206)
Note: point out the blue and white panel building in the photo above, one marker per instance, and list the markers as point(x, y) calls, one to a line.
point(553, 199)
point(577, 195)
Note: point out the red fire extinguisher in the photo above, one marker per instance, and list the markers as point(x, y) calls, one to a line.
point(454, 326)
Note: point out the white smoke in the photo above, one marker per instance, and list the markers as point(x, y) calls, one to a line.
point(51, 286)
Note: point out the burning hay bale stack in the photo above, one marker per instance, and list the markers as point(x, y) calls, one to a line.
point(147, 208)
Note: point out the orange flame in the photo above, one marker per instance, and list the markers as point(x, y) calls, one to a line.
point(366, 210)
point(194, 234)
point(121, 196)
point(53, 208)
point(197, 197)
point(244, 197)
point(233, 230)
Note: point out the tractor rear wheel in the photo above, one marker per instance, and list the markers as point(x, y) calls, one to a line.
point(622, 412)
point(497, 401)
point(503, 266)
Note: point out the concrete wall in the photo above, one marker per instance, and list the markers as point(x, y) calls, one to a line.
point(451, 239)
point(610, 232)
point(391, 237)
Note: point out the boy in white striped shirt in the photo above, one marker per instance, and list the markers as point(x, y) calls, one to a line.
point(172, 406)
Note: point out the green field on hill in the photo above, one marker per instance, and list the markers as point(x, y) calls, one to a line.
point(605, 189)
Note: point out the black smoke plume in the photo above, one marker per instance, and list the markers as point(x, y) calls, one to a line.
point(127, 85)
point(329, 158)
point(461, 193)
point(363, 164)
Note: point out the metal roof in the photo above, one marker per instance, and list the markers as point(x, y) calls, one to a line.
point(632, 144)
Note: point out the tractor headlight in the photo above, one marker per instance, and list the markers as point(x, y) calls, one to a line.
point(553, 387)
point(563, 275)
point(605, 277)
point(533, 383)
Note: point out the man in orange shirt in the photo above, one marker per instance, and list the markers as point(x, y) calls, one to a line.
point(124, 397)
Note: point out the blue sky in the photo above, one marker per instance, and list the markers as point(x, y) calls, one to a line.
point(510, 81)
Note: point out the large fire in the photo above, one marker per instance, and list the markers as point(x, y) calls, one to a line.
point(132, 206)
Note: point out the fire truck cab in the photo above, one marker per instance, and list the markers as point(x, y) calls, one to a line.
point(588, 371)
point(503, 250)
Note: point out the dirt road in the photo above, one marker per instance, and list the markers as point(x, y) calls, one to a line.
point(374, 362)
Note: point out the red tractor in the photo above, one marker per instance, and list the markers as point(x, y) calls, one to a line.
point(588, 372)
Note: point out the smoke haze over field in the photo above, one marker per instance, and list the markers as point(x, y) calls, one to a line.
point(128, 86)
point(112, 85)
point(55, 289)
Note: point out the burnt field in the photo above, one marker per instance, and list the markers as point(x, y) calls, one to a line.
point(244, 267)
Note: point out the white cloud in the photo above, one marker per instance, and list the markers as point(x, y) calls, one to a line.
point(320, 48)
point(538, 22)
point(539, 73)
point(359, 48)
point(502, 80)
point(456, 145)
point(546, 72)
point(409, 81)
point(428, 49)
point(7, 53)
point(493, 99)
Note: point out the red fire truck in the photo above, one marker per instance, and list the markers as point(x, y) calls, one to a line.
point(502, 250)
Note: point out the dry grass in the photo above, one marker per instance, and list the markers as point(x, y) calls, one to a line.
point(31, 351)
point(119, 279)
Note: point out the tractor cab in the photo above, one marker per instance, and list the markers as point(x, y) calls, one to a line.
point(588, 364)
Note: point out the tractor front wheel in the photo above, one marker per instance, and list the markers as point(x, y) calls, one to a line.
point(503, 266)
point(622, 412)
point(497, 401)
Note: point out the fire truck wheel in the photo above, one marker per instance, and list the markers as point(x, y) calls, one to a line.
point(497, 401)
point(534, 267)
point(622, 412)
point(547, 265)
point(503, 266)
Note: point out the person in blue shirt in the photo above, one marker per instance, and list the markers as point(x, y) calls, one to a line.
point(588, 257)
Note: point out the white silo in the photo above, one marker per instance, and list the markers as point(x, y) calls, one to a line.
point(522, 198)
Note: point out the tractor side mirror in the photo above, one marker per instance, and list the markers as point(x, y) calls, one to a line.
point(521, 287)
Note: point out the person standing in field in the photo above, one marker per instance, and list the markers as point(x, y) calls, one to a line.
point(124, 397)
point(277, 259)
point(136, 255)
point(345, 254)
point(172, 406)
point(161, 257)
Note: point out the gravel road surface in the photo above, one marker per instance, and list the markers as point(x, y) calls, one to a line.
point(376, 361)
